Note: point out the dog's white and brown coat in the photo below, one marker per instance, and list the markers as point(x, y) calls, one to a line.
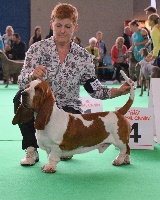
point(64, 134)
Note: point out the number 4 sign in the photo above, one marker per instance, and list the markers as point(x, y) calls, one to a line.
point(141, 120)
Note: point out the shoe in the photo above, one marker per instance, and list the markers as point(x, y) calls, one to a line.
point(31, 157)
point(66, 158)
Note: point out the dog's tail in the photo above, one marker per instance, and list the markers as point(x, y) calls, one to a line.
point(123, 110)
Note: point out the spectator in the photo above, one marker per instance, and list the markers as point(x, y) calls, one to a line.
point(67, 66)
point(118, 60)
point(1, 43)
point(50, 31)
point(37, 36)
point(77, 40)
point(127, 37)
point(17, 52)
point(102, 51)
point(150, 10)
point(92, 49)
point(154, 23)
point(139, 38)
point(7, 39)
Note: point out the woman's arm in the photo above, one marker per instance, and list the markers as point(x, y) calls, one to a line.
point(145, 35)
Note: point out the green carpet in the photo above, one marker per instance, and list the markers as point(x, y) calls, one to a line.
point(89, 176)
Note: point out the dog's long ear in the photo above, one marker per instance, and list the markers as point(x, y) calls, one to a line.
point(43, 116)
point(22, 115)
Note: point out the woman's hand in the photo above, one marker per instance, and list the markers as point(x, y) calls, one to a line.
point(39, 72)
point(124, 89)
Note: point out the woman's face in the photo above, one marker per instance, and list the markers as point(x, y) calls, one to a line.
point(119, 43)
point(150, 22)
point(63, 30)
point(133, 28)
point(9, 32)
point(38, 32)
point(93, 44)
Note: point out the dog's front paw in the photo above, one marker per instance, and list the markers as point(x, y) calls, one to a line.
point(48, 168)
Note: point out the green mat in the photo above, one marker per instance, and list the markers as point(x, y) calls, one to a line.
point(88, 176)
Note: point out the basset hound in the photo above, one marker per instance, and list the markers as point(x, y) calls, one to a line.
point(63, 134)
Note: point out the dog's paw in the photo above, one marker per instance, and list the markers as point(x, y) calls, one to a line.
point(48, 168)
point(127, 160)
point(117, 162)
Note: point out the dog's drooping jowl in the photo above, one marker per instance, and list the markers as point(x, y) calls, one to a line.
point(147, 70)
point(10, 67)
point(63, 134)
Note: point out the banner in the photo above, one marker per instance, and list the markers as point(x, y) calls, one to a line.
point(141, 120)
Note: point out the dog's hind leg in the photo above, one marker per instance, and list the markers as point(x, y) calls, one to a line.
point(7, 80)
point(123, 156)
point(127, 158)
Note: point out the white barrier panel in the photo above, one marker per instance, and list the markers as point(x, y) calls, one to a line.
point(141, 120)
point(154, 102)
point(91, 105)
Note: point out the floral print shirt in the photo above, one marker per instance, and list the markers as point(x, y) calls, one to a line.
point(65, 79)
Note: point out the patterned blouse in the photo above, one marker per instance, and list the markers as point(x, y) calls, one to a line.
point(65, 79)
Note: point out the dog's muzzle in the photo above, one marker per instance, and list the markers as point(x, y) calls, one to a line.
point(24, 99)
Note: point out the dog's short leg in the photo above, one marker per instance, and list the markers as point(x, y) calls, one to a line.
point(7, 80)
point(49, 167)
point(143, 84)
point(123, 157)
point(119, 160)
point(127, 160)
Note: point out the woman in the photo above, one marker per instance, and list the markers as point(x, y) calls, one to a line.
point(7, 39)
point(77, 40)
point(139, 38)
point(65, 66)
point(92, 49)
point(118, 60)
point(37, 36)
point(154, 22)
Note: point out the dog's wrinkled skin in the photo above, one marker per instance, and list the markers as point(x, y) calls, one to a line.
point(64, 134)
point(10, 67)
point(147, 70)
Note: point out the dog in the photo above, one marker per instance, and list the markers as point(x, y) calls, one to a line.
point(147, 70)
point(63, 134)
point(10, 67)
point(133, 74)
